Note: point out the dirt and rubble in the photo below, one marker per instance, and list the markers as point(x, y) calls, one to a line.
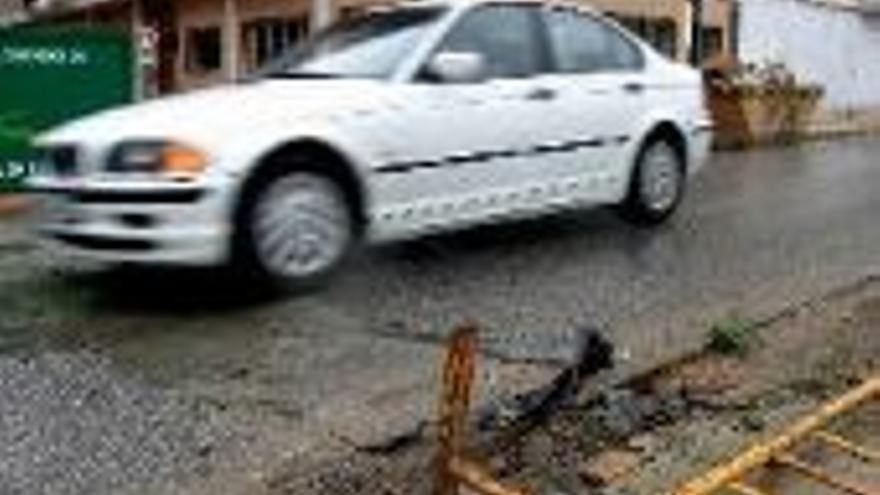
point(667, 427)
point(660, 429)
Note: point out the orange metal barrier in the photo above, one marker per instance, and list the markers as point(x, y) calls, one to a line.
point(452, 468)
point(729, 477)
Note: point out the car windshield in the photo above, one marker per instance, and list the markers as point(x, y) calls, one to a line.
point(372, 46)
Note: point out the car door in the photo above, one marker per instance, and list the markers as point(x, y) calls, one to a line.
point(598, 77)
point(465, 151)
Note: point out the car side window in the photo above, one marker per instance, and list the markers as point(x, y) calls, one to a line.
point(581, 43)
point(505, 35)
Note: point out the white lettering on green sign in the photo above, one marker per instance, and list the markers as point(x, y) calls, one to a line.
point(43, 56)
point(14, 171)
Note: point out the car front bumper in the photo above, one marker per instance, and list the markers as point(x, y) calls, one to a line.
point(180, 224)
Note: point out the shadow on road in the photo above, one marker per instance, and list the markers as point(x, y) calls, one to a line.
point(131, 289)
point(150, 289)
point(512, 236)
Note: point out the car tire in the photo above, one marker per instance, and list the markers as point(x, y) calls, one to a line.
point(657, 184)
point(294, 228)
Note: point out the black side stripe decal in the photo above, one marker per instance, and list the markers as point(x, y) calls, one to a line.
point(485, 156)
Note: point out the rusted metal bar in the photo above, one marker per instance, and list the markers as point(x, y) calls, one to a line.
point(478, 479)
point(744, 489)
point(823, 477)
point(840, 443)
point(459, 368)
point(452, 469)
point(763, 452)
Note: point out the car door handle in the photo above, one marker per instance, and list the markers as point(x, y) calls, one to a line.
point(634, 87)
point(541, 94)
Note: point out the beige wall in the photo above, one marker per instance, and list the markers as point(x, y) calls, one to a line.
point(203, 13)
point(715, 13)
point(195, 14)
point(657, 9)
point(647, 8)
point(720, 13)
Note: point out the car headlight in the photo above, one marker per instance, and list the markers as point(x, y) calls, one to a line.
point(157, 157)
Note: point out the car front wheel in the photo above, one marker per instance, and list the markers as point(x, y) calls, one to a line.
point(657, 184)
point(294, 229)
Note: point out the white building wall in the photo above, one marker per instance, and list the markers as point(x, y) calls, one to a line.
point(835, 47)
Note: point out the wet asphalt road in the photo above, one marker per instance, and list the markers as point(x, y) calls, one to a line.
point(185, 382)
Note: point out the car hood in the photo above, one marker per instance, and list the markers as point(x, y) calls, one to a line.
point(228, 112)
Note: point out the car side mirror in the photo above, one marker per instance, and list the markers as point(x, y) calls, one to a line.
point(457, 67)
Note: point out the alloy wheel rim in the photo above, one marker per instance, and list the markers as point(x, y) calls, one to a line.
point(301, 226)
point(660, 178)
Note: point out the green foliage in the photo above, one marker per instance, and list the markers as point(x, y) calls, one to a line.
point(733, 335)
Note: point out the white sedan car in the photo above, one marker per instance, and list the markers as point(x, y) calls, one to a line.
point(420, 118)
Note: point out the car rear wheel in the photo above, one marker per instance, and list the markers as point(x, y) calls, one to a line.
point(294, 230)
point(657, 184)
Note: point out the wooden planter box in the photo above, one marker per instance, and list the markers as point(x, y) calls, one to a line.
point(748, 116)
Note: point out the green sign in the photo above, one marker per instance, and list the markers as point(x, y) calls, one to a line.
point(50, 75)
point(14, 170)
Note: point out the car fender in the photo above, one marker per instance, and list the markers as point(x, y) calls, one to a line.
point(650, 122)
point(240, 161)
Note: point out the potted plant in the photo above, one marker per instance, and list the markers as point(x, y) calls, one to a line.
point(763, 103)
